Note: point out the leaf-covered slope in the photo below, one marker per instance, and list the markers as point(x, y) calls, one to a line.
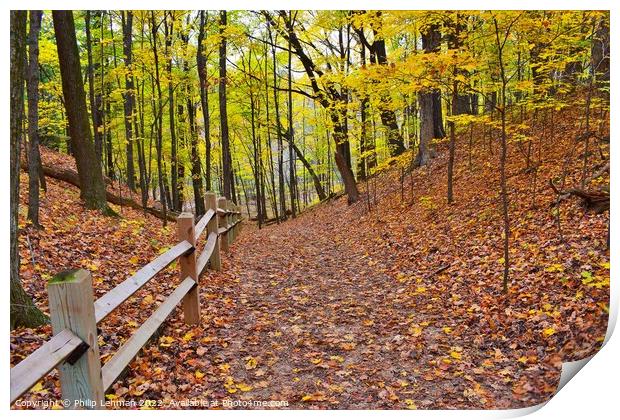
point(399, 307)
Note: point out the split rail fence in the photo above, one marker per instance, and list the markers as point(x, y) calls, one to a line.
point(74, 313)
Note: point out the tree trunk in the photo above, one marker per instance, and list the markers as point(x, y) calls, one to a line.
point(89, 167)
point(201, 61)
point(348, 179)
point(158, 116)
point(457, 106)
point(227, 173)
point(199, 198)
point(34, 157)
point(108, 140)
point(426, 129)
point(388, 116)
point(431, 42)
point(128, 96)
point(176, 186)
point(257, 166)
point(276, 101)
point(268, 140)
point(95, 100)
point(291, 134)
point(502, 162)
point(23, 311)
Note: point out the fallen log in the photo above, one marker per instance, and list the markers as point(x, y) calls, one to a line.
point(597, 201)
point(71, 177)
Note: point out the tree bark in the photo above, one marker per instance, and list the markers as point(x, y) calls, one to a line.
point(199, 198)
point(23, 311)
point(388, 116)
point(34, 157)
point(201, 61)
point(291, 134)
point(128, 97)
point(276, 101)
point(425, 100)
point(158, 116)
point(502, 162)
point(456, 108)
point(95, 99)
point(176, 187)
point(227, 173)
point(89, 167)
point(431, 42)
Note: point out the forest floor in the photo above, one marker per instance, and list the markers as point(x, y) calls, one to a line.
point(397, 307)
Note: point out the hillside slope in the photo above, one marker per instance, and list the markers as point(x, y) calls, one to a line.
point(342, 307)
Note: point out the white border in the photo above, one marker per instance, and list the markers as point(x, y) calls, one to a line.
point(592, 395)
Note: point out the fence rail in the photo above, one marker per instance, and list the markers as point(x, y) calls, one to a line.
point(73, 348)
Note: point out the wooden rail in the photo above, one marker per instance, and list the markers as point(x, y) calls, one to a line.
point(73, 348)
point(27, 373)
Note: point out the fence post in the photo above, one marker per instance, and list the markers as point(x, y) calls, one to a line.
point(231, 220)
point(71, 306)
point(212, 226)
point(223, 222)
point(191, 301)
point(236, 218)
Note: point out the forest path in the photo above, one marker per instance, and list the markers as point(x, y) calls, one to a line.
point(322, 308)
point(310, 318)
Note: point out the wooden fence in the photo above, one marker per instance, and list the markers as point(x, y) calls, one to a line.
point(75, 314)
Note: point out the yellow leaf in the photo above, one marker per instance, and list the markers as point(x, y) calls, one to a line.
point(166, 341)
point(229, 384)
point(522, 359)
point(243, 387)
point(411, 405)
point(455, 355)
point(369, 322)
point(337, 358)
point(316, 361)
point(548, 332)
point(199, 375)
point(111, 396)
point(148, 299)
point(251, 363)
point(447, 330)
point(415, 330)
point(134, 260)
point(554, 267)
point(38, 387)
point(187, 337)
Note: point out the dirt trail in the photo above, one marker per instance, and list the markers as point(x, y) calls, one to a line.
point(327, 327)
